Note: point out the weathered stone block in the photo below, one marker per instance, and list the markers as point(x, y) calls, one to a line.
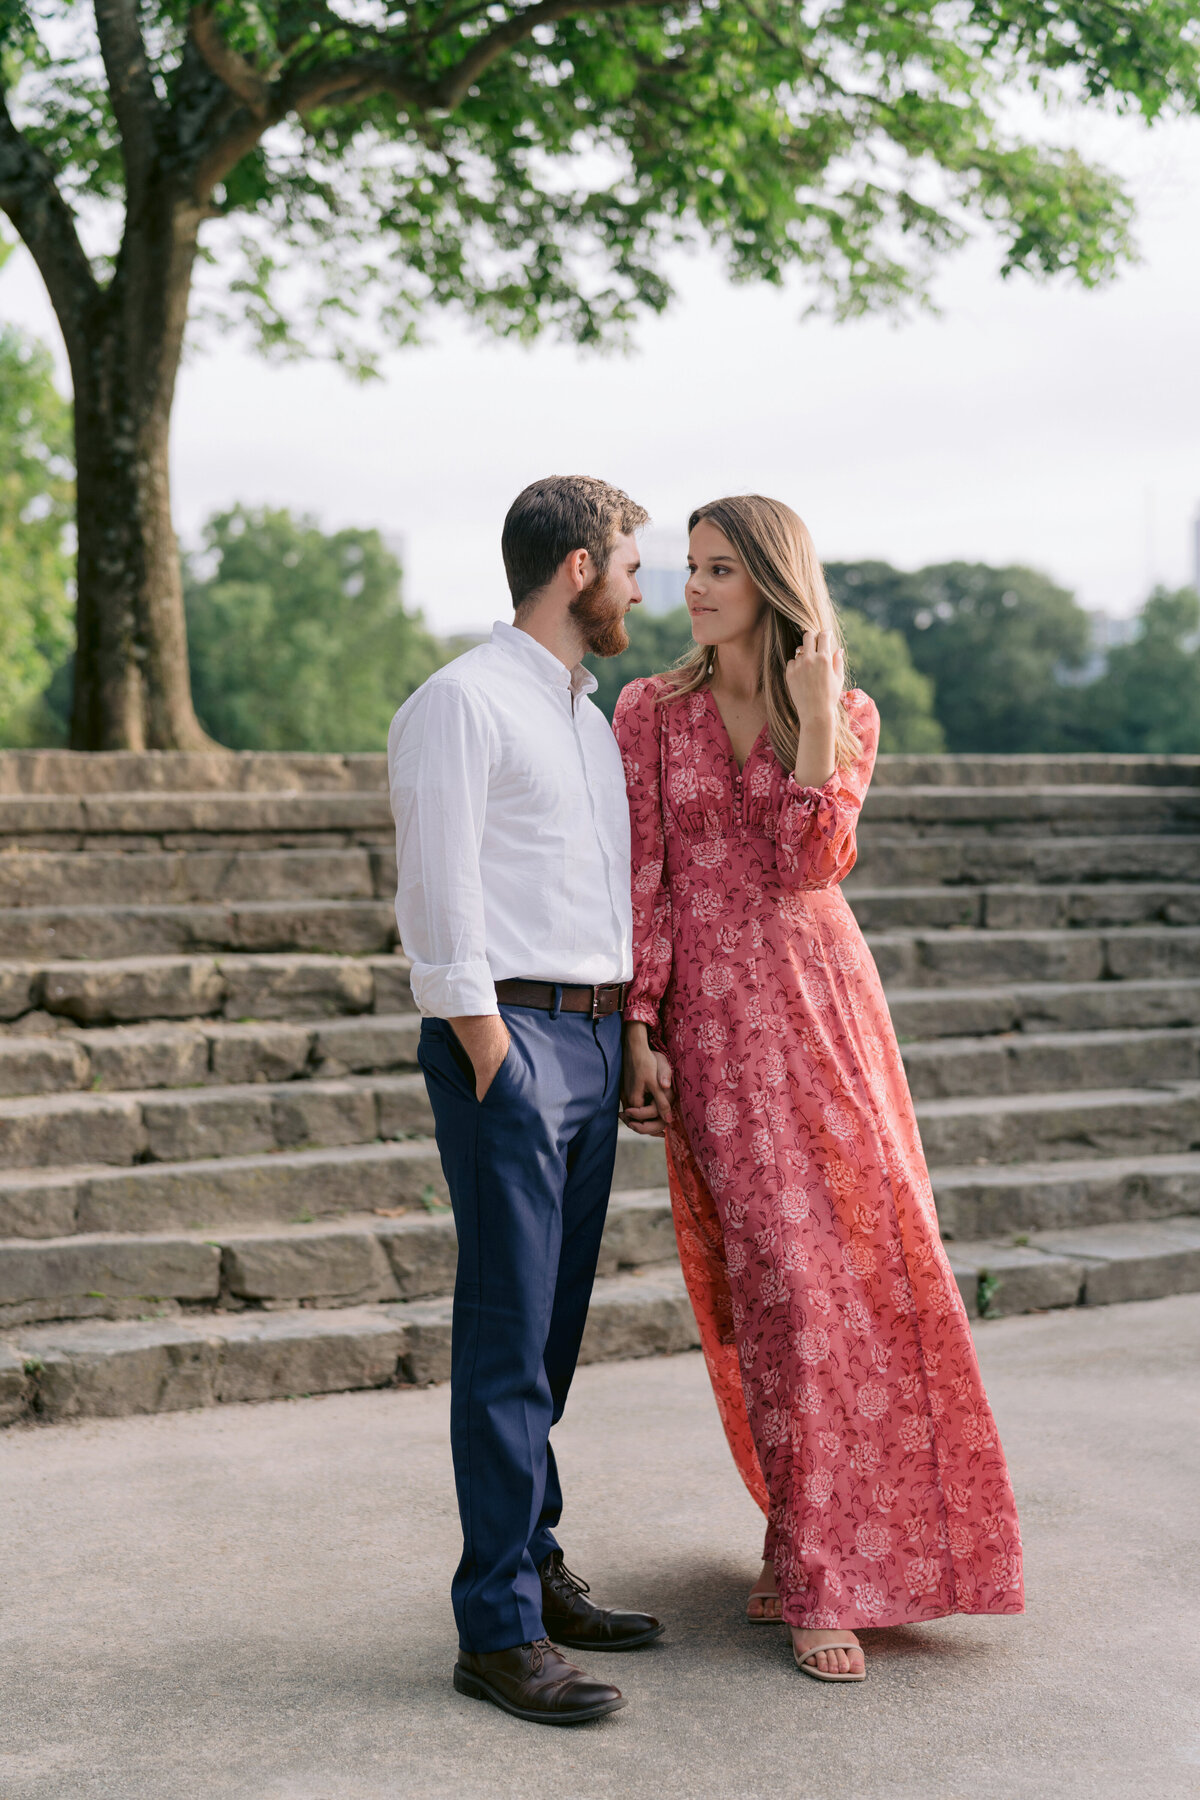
point(42, 1066)
point(281, 987)
point(290, 1354)
point(159, 1056)
point(639, 1315)
point(57, 1129)
point(38, 1204)
point(218, 1122)
point(1135, 1261)
point(371, 1041)
point(392, 991)
point(17, 989)
point(638, 1230)
point(14, 1385)
point(996, 1280)
point(309, 1264)
point(426, 1326)
point(132, 988)
point(403, 1106)
point(322, 1112)
point(641, 1161)
point(423, 1252)
point(106, 1370)
point(259, 1052)
point(336, 927)
point(1153, 952)
point(100, 1267)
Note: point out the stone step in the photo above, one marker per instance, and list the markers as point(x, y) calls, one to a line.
point(891, 858)
point(209, 1194)
point(1024, 907)
point(206, 1052)
point(191, 1124)
point(125, 990)
point(330, 927)
point(1012, 1128)
point(106, 1369)
point(1097, 769)
point(916, 959)
point(194, 877)
point(356, 1260)
point(1049, 1062)
point(928, 1013)
point(1092, 1266)
point(1140, 810)
point(183, 820)
point(1055, 1196)
point(190, 771)
point(109, 1368)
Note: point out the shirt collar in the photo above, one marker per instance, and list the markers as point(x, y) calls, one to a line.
point(542, 662)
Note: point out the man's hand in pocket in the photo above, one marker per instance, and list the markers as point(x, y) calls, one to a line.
point(484, 1037)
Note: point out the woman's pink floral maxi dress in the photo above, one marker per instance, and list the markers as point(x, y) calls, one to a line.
point(834, 1332)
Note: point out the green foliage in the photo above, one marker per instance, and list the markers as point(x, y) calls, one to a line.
point(297, 637)
point(878, 661)
point(36, 496)
point(528, 162)
point(994, 643)
point(1148, 698)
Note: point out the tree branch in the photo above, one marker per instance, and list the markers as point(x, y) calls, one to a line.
point(239, 76)
point(29, 194)
point(452, 87)
point(131, 90)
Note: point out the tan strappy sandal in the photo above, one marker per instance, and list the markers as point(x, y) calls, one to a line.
point(801, 1658)
point(757, 1593)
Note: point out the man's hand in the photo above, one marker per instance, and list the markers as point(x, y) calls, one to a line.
point(484, 1037)
point(645, 1085)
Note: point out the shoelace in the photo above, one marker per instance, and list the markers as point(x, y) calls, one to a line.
point(559, 1573)
point(537, 1654)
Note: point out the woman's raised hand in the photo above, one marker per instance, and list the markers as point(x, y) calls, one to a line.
point(815, 677)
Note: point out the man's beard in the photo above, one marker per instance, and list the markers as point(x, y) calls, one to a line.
point(602, 626)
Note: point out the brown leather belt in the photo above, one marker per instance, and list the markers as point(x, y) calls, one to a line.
point(599, 1002)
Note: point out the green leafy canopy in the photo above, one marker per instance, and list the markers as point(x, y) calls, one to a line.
point(529, 162)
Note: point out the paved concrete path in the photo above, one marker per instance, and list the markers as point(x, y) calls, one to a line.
point(249, 1604)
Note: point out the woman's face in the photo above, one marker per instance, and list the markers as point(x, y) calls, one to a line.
point(724, 603)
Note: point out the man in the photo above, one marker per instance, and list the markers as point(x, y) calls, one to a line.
point(512, 843)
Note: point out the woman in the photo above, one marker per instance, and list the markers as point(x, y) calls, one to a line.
point(835, 1337)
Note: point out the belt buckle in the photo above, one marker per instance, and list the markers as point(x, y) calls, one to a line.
point(595, 1003)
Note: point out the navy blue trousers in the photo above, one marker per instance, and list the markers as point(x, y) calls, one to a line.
point(529, 1170)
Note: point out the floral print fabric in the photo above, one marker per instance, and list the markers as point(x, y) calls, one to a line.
point(833, 1329)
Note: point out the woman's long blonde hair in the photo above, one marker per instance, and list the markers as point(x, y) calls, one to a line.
point(781, 560)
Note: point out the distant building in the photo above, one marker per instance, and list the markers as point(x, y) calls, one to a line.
point(662, 589)
point(1107, 633)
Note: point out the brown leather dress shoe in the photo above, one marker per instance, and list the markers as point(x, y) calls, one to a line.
point(572, 1619)
point(535, 1682)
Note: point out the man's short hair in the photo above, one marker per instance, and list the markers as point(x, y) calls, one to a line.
point(551, 518)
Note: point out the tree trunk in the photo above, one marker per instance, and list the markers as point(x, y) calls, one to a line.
point(132, 688)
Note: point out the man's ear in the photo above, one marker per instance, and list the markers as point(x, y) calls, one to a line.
point(577, 567)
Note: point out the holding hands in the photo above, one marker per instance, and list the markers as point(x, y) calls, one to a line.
point(645, 1085)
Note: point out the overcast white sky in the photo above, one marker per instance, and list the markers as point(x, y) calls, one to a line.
point(1027, 423)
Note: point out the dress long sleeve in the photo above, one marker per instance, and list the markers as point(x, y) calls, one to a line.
point(439, 761)
point(637, 723)
point(815, 842)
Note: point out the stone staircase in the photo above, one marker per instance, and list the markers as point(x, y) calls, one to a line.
point(216, 1175)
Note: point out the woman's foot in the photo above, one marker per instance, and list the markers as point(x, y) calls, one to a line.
point(840, 1661)
point(764, 1604)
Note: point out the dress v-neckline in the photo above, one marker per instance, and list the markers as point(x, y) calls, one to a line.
point(740, 767)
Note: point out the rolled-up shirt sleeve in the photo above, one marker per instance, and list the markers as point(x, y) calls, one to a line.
point(440, 754)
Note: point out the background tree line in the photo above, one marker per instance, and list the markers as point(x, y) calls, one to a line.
point(299, 638)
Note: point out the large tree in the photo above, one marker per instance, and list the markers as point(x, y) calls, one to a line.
point(522, 159)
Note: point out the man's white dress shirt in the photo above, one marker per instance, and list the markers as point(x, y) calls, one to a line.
point(512, 828)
